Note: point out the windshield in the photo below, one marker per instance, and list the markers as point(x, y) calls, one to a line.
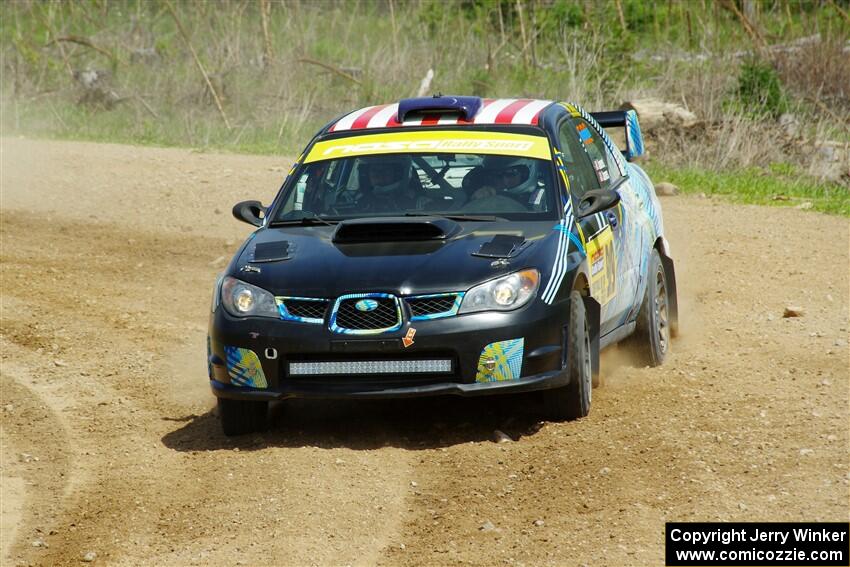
point(456, 184)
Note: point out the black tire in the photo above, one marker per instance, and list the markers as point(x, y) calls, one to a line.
point(240, 416)
point(652, 331)
point(573, 400)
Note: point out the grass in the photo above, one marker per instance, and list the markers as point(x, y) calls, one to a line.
point(66, 120)
point(276, 97)
point(778, 185)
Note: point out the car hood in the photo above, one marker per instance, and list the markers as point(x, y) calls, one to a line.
point(306, 262)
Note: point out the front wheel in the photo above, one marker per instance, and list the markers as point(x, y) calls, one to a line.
point(573, 400)
point(242, 416)
point(652, 332)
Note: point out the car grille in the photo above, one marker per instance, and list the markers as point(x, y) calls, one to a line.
point(385, 316)
point(303, 309)
point(434, 306)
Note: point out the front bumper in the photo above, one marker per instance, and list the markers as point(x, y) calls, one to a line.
point(462, 338)
point(526, 384)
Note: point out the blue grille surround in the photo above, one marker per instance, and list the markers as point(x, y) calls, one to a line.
point(302, 309)
point(388, 316)
point(346, 319)
point(434, 306)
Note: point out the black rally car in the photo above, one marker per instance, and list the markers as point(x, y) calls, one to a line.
point(445, 245)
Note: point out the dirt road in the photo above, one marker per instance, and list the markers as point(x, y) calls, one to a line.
point(110, 444)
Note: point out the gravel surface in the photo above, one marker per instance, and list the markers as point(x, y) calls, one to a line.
point(109, 253)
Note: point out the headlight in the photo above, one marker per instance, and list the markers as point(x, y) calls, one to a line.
point(502, 294)
point(245, 300)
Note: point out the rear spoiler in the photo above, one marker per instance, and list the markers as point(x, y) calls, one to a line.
point(629, 120)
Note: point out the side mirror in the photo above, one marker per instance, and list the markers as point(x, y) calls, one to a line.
point(251, 212)
point(596, 201)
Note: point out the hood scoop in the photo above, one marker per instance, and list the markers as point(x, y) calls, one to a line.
point(394, 229)
point(503, 246)
point(271, 252)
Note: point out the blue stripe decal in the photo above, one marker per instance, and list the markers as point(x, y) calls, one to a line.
point(571, 236)
point(576, 241)
point(559, 268)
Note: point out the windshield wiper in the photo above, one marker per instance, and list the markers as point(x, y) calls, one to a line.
point(482, 218)
point(304, 221)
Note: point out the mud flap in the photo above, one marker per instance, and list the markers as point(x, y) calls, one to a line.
point(672, 294)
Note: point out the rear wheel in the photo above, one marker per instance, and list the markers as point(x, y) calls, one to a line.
point(242, 416)
point(573, 400)
point(652, 333)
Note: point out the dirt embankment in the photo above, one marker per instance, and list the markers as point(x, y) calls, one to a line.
point(110, 445)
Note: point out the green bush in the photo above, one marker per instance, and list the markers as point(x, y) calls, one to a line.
point(561, 13)
point(760, 90)
point(638, 15)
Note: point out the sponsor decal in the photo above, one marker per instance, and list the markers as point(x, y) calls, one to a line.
point(493, 143)
point(597, 262)
point(584, 134)
point(407, 339)
point(603, 265)
point(244, 368)
point(501, 361)
point(459, 145)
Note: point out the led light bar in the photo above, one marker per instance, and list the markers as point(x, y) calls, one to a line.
point(440, 366)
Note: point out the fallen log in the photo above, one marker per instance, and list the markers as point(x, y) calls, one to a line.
point(654, 114)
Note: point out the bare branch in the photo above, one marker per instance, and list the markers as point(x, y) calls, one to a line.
point(199, 64)
point(330, 68)
point(265, 12)
point(147, 106)
point(841, 12)
point(79, 40)
point(751, 30)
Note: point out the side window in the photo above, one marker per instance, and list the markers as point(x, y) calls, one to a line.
point(314, 189)
point(604, 165)
point(295, 199)
point(576, 161)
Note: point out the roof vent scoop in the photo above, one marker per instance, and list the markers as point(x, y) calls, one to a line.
point(466, 106)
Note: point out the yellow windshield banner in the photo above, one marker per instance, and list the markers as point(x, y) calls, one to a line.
point(439, 141)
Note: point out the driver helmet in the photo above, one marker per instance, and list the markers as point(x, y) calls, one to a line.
point(387, 174)
point(517, 175)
